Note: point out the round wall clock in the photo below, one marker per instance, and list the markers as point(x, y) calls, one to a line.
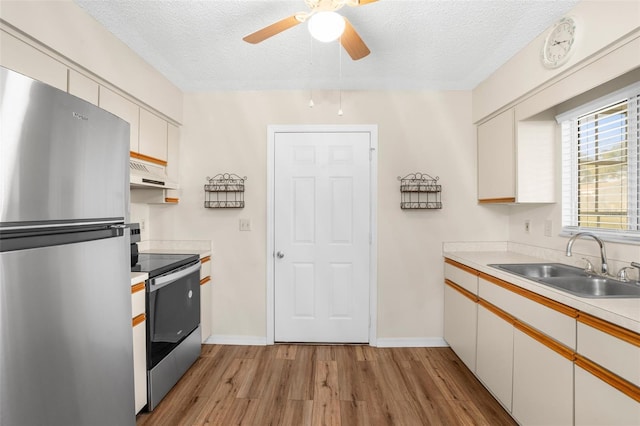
point(558, 44)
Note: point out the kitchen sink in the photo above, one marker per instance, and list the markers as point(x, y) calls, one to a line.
point(593, 286)
point(542, 270)
point(572, 280)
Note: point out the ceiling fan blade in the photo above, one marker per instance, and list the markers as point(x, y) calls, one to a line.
point(352, 42)
point(272, 30)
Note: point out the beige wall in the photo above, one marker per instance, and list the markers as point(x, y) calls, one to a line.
point(600, 23)
point(418, 132)
point(607, 50)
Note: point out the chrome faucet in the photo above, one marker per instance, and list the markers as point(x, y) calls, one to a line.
point(603, 254)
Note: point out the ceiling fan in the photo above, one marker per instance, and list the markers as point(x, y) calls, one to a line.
point(350, 40)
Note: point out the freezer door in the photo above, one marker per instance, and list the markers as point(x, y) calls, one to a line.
point(66, 355)
point(61, 158)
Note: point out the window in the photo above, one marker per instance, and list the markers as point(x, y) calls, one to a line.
point(600, 167)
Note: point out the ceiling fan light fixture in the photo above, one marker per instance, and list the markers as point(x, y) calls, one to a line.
point(326, 26)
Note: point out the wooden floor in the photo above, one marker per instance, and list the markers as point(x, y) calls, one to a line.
point(327, 385)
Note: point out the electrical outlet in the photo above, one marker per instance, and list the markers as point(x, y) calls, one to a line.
point(527, 226)
point(143, 225)
point(548, 228)
point(245, 224)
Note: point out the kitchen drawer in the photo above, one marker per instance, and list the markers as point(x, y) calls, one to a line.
point(464, 276)
point(555, 324)
point(137, 299)
point(617, 354)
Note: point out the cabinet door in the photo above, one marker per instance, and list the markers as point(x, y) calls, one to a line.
point(542, 383)
point(123, 108)
point(598, 403)
point(205, 298)
point(153, 135)
point(83, 87)
point(173, 158)
point(140, 362)
point(496, 159)
point(460, 317)
point(21, 57)
point(494, 359)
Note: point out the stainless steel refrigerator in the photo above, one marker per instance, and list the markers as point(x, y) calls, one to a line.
point(66, 355)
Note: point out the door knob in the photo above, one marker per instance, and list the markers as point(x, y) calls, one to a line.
point(280, 255)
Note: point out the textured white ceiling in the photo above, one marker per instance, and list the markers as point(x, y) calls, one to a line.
point(415, 44)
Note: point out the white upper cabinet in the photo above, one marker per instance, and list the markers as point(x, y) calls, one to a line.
point(153, 136)
point(496, 159)
point(83, 87)
point(516, 160)
point(21, 57)
point(123, 108)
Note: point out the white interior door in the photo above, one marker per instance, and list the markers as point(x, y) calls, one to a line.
point(321, 236)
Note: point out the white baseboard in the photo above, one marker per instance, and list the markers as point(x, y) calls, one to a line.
point(225, 339)
point(411, 342)
point(390, 342)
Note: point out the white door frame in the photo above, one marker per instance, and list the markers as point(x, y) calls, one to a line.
point(373, 246)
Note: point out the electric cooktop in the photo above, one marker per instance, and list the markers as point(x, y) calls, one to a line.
point(158, 263)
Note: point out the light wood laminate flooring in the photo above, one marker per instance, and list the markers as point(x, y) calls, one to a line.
point(327, 385)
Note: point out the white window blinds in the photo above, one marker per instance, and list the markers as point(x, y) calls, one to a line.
point(600, 166)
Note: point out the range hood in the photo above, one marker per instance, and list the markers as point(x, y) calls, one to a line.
point(145, 175)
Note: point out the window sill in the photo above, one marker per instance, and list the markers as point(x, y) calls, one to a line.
point(632, 238)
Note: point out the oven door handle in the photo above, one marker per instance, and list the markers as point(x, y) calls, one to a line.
point(157, 283)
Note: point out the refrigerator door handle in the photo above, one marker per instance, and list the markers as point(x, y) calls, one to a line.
point(36, 227)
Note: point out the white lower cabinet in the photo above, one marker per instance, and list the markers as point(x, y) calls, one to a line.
point(139, 345)
point(599, 404)
point(494, 360)
point(460, 322)
point(140, 365)
point(547, 363)
point(206, 295)
point(542, 383)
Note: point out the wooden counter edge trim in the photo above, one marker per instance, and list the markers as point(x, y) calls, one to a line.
point(466, 293)
point(545, 340)
point(629, 389)
point(137, 287)
point(205, 280)
point(138, 319)
point(497, 311)
point(148, 158)
point(461, 266)
point(205, 259)
point(497, 200)
point(609, 328)
point(556, 306)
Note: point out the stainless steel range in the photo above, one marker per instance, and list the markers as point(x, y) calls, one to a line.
point(173, 319)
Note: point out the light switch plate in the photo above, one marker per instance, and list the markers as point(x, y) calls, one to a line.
point(548, 228)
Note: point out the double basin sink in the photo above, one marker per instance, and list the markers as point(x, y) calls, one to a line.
point(572, 280)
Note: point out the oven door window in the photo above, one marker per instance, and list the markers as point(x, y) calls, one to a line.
point(174, 312)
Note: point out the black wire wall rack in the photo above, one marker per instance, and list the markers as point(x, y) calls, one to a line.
point(420, 191)
point(224, 191)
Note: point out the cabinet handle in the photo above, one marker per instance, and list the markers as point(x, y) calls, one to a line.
point(138, 319)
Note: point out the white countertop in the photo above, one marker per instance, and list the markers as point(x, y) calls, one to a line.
point(623, 312)
point(138, 277)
